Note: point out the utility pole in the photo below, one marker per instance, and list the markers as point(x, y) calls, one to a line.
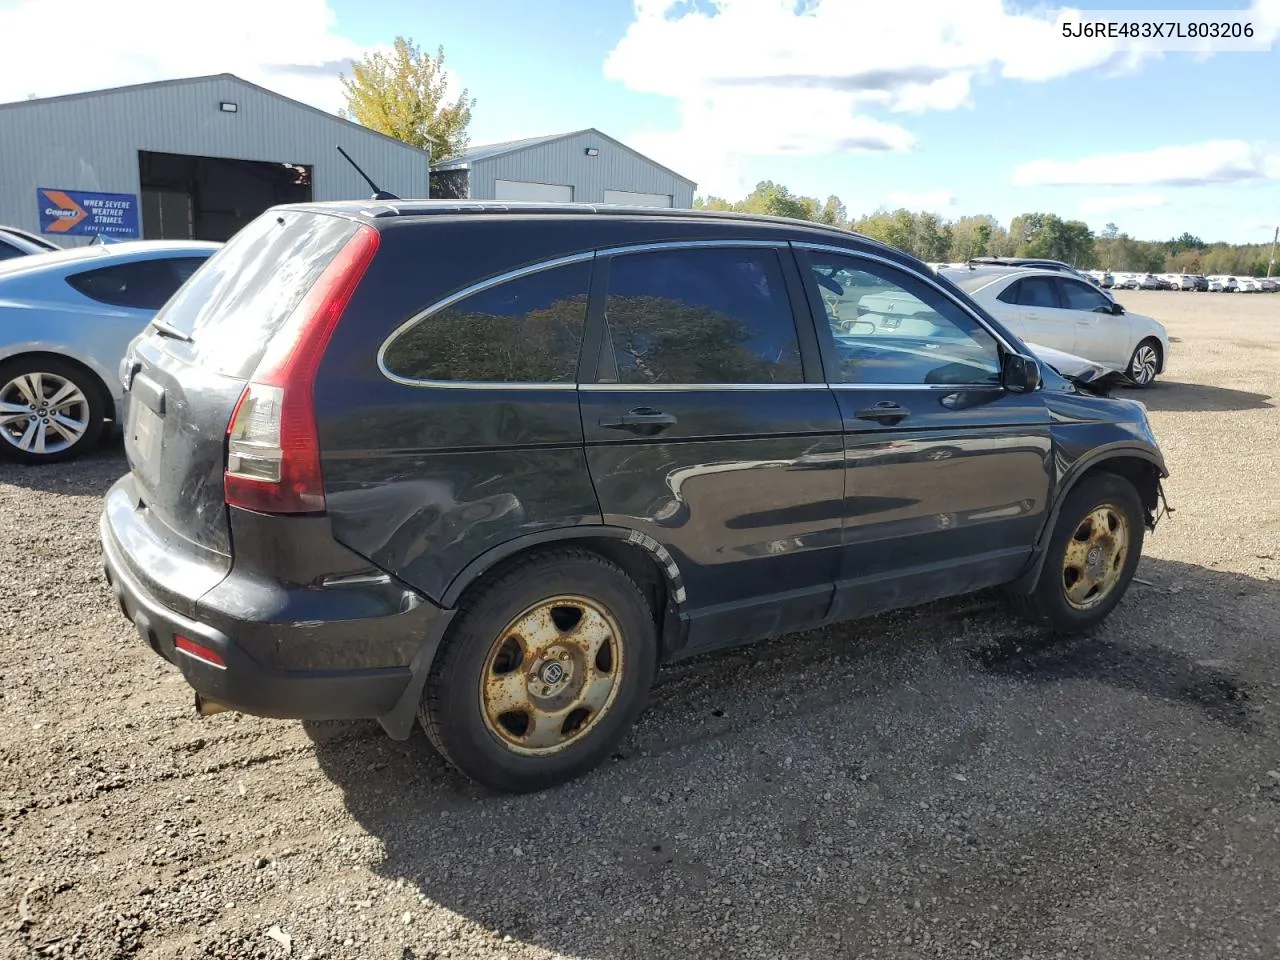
point(1272, 262)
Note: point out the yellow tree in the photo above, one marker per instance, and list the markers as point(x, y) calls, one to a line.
point(405, 94)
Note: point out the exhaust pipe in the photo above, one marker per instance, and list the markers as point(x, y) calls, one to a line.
point(207, 708)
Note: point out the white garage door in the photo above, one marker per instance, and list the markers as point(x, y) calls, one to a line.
point(638, 199)
point(525, 190)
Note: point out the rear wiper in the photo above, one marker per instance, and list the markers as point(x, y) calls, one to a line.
point(173, 333)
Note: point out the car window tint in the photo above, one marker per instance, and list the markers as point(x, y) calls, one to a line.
point(1010, 293)
point(892, 328)
point(713, 315)
point(1037, 292)
point(526, 330)
point(1081, 296)
point(8, 251)
point(142, 284)
point(184, 267)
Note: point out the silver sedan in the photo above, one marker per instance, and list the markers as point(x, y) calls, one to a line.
point(65, 321)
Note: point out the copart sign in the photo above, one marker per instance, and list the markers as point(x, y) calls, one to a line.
point(78, 213)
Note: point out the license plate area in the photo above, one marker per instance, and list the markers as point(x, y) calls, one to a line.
point(145, 437)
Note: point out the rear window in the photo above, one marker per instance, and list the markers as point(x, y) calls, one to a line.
point(233, 305)
point(139, 284)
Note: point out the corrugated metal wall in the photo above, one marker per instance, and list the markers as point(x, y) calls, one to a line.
point(92, 143)
point(565, 162)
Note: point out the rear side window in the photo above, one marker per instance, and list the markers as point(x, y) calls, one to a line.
point(524, 330)
point(702, 316)
point(1037, 292)
point(247, 290)
point(8, 251)
point(141, 285)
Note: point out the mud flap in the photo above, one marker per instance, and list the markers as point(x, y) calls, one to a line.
point(398, 722)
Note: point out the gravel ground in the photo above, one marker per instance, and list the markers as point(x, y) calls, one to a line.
point(940, 782)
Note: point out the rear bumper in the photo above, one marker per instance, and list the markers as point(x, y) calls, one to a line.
point(388, 692)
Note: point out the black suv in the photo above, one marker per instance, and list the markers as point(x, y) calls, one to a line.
point(490, 465)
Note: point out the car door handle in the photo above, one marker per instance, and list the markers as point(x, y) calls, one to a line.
point(885, 412)
point(643, 421)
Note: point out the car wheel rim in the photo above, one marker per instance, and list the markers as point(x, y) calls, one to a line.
point(1095, 557)
point(1144, 364)
point(551, 675)
point(42, 413)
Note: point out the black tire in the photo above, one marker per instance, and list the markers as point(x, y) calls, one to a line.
point(92, 411)
point(1142, 374)
point(1048, 604)
point(453, 710)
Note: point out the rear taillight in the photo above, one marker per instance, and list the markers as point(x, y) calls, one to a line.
point(273, 450)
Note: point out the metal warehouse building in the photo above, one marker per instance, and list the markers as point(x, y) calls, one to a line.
point(584, 166)
point(195, 158)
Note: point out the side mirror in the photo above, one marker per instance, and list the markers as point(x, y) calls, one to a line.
point(1021, 373)
point(1116, 309)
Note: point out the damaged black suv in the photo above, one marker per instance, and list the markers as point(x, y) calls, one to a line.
point(489, 466)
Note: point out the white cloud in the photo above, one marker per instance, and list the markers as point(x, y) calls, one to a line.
point(932, 200)
point(1253, 225)
point(1199, 164)
point(1131, 201)
point(762, 77)
point(51, 47)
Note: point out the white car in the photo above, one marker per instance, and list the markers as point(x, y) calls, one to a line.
point(1180, 281)
point(1250, 285)
point(1046, 307)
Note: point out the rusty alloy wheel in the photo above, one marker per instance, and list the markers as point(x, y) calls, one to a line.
point(1094, 560)
point(551, 675)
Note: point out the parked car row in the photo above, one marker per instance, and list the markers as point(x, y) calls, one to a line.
point(1184, 281)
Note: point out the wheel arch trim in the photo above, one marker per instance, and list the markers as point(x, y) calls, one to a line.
point(1098, 457)
point(482, 564)
point(399, 721)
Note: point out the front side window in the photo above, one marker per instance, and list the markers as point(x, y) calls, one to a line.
point(141, 285)
point(701, 316)
point(892, 328)
point(524, 330)
point(1081, 296)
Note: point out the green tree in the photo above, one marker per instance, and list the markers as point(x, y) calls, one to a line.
point(404, 94)
point(972, 237)
point(833, 212)
point(712, 203)
point(775, 200)
point(1048, 236)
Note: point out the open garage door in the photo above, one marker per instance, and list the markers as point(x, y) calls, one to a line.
point(188, 197)
point(637, 199)
point(526, 190)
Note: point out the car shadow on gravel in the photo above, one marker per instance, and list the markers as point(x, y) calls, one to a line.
point(1173, 396)
point(701, 827)
point(89, 475)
